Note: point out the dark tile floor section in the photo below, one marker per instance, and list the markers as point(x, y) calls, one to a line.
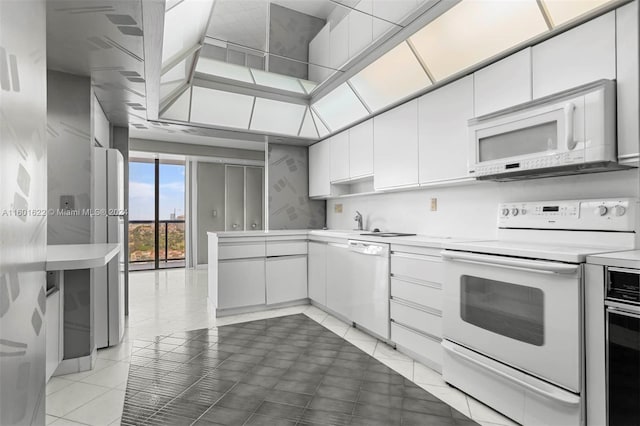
point(280, 371)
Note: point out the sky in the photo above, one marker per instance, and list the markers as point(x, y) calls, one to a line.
point(141, 190)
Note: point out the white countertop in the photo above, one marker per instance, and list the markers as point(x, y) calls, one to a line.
point(79, 256)
point(620, 259)
point(346, 234)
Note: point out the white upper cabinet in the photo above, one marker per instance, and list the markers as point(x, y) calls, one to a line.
point(361, 150)
point(319, 169)
point(579, 56)
point(395, 154)
point(339, 147)
point(627, 83)
point(442, 124)
point(503, 84)
point(339, 47)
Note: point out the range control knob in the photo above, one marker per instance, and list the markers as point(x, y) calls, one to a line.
point(515, 212)
point(523, 212)
point(619, 210)
point(505, 212)
point(601, 210)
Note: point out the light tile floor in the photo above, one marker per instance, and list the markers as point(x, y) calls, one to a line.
point(167, 301)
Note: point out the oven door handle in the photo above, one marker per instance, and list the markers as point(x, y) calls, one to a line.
point(538, 266)
point(560, 396)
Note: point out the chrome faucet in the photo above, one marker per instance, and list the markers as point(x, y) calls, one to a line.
point(358, 218)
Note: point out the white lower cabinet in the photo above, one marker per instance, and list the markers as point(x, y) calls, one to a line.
point(317, 272)
point(416, 303)
point(241, 283)
point(339, 290)
point(286, 278)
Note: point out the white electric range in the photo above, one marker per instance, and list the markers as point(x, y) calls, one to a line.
point(513, 322)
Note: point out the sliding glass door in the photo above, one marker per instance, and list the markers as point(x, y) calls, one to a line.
point(156, 214)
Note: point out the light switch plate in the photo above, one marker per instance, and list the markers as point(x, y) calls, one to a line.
point(434, 204)
point(337, 208)
point(67, 202)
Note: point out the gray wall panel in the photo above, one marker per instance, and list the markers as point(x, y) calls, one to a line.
point(210, 196)
point(23, 185)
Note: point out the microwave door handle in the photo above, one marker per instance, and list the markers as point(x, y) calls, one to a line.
point(569, 110)
point(538, 266)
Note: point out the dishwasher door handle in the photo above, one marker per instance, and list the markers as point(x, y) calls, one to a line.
point(369, 249)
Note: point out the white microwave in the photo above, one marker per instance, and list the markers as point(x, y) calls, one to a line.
point(566, 133)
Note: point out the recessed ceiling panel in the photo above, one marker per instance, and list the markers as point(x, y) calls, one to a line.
point(396, 75)
point(340, 108)
point(277, 117)
point(223, 69)
point(179, 110)
point(562, 11)
point(184, 26)
point(472, 31)
point(218, 108)
point(308, 129)
point(277, 81)
point(175, 77)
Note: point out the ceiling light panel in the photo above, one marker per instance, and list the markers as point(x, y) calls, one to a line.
point(218, 108)
point(179, 110)
point(277, 117)
point(340, 108)
point(223, 69)
point(175, 77)
point(184, 26)
point(475, 30)
point(394, 76)
point(562, 11)
point(322, 129)
point(277, 81)
point(308, 129)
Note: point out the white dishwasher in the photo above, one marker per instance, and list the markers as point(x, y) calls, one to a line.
point(369, 278)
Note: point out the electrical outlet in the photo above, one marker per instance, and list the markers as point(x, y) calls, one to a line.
point(434, 204)
point(337, 208)
point(67, 202)
point(214, 213)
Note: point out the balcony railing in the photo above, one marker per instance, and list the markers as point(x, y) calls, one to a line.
point(171, 241)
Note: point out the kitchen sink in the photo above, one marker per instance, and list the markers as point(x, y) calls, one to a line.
point(387, 234)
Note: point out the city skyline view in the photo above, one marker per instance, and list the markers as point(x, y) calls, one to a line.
point(141, 191)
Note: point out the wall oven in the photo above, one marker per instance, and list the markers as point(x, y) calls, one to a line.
point(567, 133)
point(623, 346)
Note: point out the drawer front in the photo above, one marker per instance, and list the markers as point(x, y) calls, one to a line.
point(416, 318)
point(421, 268)
point(416, 342)
point(286, 248)
point(240, 250)
point(424, 295)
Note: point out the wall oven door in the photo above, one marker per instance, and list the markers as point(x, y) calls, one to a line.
point(623, 364)
point(524, 313)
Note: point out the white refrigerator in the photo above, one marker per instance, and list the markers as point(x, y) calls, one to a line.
point(108, 227)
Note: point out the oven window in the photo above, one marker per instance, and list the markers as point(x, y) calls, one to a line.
point(530, 140)
point(511, 310)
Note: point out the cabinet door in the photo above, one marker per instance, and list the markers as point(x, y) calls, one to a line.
point(503, 84)
point(339, 289)
point(241, 283)
point(361, 150)
point(286, 279)
point(317, 272)
point(339, 163)
point(627, 82)
point(255, 209)
point(395, 153)
point(319, 163)
point(579, 56)
point(443, 136)
point(234, 206)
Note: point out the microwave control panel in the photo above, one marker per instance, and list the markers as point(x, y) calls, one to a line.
point(609, 214)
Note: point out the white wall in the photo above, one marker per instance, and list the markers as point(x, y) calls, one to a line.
point(470, 211)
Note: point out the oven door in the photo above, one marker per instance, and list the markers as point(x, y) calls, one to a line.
point(524, 313)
